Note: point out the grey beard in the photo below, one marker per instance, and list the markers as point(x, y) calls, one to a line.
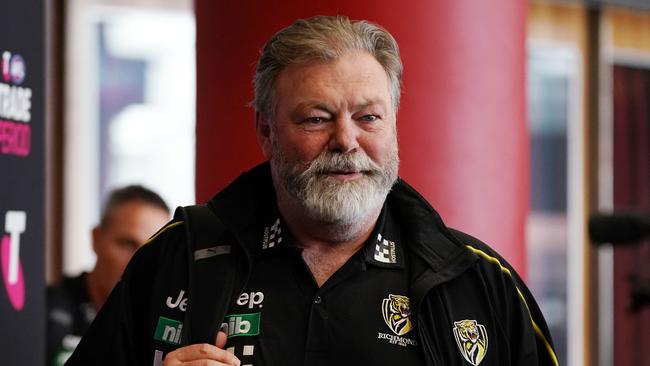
point(331, 201)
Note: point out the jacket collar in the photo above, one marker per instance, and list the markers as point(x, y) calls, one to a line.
point(426, 234)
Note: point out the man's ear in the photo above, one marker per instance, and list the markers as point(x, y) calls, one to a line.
point(96, 237)
point(263, 131)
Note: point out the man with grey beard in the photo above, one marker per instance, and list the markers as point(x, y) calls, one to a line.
point(321, 255)
point(327, 200)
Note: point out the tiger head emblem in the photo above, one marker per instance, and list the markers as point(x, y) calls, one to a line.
point(397, 314)
point(472, 340)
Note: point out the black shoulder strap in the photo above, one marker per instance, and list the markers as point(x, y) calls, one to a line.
point(202, 226)
point(213, 273)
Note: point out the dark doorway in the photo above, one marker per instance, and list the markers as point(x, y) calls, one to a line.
point(631, 192)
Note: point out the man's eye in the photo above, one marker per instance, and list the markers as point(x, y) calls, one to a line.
point(369, 118)
point(128, 244)
point(314, 120)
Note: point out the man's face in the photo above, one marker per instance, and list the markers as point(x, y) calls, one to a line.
point(332, 142)
point(128, 226)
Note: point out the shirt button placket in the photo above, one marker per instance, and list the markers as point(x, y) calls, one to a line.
point(317, 345)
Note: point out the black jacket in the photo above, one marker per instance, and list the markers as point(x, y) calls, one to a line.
point(463, 292)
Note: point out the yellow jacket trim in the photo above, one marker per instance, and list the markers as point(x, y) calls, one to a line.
point(164, 228)
point(505, 270)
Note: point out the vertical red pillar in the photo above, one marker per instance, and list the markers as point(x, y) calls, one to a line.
point(462, 130)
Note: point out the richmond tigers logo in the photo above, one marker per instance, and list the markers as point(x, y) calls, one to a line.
point(472, 340)
point(397, 314)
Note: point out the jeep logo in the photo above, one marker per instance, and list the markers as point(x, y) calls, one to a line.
point(251, 299)
point(180, 302)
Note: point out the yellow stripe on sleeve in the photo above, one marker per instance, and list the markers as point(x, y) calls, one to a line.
point(505, 270)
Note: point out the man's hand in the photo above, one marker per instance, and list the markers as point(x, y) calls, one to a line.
point(203, 354)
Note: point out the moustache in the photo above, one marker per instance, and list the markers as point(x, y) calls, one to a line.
point(328, 162)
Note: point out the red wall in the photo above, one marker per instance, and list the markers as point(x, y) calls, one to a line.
point(462, 131)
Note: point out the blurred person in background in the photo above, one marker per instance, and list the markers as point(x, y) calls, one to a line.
point(130, 216)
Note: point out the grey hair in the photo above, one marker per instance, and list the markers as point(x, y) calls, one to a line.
point(323, 38)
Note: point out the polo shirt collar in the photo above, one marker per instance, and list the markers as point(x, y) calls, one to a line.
point(384, 247)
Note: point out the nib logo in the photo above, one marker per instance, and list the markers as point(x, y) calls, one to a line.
point(168, 330)
point(12, 270)
point(238, 325)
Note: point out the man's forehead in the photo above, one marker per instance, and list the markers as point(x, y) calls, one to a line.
point(363, 103)
point(358, 75)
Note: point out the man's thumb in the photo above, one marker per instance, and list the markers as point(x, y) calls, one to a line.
point(221, 340)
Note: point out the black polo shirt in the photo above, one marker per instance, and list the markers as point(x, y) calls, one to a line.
point(360, 316)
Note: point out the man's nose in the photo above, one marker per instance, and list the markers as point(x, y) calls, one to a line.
point(345, 134)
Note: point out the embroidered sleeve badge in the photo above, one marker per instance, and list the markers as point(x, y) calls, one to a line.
point(397, 314)
point(472, 340)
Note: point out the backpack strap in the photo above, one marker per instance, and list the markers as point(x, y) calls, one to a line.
point(214, 263)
